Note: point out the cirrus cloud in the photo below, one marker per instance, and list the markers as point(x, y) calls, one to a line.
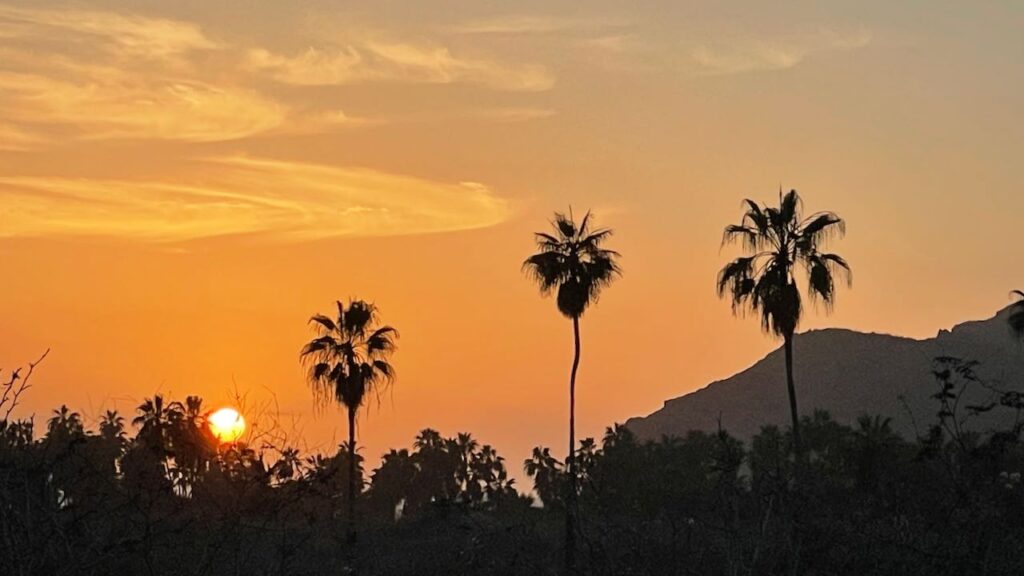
point(276, 199)
point(122, 105)
point(120, 34)
point(377, 61)
point(517, 24)
point(753, 55)
point(90, 75)
point(106, 75)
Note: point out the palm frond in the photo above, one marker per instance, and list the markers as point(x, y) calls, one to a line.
point(565, 226)
point(820, 284)
point(384, 369)
point(584, 226)
point(734, 277)
point(381, 341)
point(320, 370)
point(547, 241)
point(323, 321)
point(822, 226)
point(595, 238)
point(547, 269)
point(748, 236)
point(838, 266)
point(756, 216)
point(318, 345)
point(822, 270)
point(603, 268)
point(789, 207)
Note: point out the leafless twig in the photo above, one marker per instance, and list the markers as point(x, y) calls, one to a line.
point(16, 385)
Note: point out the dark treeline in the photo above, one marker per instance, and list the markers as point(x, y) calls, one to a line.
point(158, 495)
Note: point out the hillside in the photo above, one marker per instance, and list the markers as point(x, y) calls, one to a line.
point(847, 373)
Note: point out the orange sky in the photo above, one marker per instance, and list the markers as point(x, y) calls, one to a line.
point(182, 186)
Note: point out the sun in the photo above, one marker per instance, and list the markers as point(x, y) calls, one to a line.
point(226, 424)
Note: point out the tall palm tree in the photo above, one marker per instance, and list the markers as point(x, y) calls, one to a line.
point(347, 360)
point(572, 263)
point(779, 240)
point(1016, 318)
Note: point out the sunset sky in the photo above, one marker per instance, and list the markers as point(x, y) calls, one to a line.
point(182, 184)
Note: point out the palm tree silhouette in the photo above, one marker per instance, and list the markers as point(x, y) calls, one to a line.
point(347, 360)
point(572, 264)
point(1016, 318)
point(156, 421)
point(778, 241)
point(112, 426)
point(547, 475)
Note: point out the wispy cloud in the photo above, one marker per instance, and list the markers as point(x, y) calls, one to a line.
point(15, 138)
point(106, 75)
point(537, 24)
point(124, 34)
point(397, 62)
point(277, 199)
point(611, 43)
point(89, 75)
point(125, 105)
point(740, 56)
point(514, 114)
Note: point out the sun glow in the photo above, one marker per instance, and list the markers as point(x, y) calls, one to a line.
point(227, 424)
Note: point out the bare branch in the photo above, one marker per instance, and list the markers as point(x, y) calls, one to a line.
point(16, 385)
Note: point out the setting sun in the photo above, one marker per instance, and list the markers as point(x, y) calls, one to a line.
point(227, 424)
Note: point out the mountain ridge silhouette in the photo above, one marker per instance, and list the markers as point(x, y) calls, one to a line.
point(850, 373)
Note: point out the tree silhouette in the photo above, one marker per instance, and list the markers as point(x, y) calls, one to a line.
point(1016, 318)
point(392, 484)
point(112, 426)
point(572, 264)
point(779, 240)
point(348, 359)
point(156, 423)
point(192, 440)
point(146, 463)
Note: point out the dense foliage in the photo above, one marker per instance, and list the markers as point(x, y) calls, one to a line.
point(167, 500)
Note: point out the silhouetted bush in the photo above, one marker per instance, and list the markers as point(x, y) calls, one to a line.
point(168, 500)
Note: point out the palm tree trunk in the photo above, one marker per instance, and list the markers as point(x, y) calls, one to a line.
point(798, 447)
point(351, 475)
point(798, 456)
point(570, 508)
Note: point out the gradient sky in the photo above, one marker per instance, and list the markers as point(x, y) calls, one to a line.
point(182, 184)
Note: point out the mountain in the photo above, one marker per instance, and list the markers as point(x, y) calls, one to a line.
point(849, 373)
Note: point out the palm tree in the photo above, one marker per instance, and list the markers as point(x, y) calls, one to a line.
point(1016, 318)
point(155, 421)
point(547, 475)
point(193, 441)
point(112, 426)
point(348, 360)
point(572, 264)
point(778, 241)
